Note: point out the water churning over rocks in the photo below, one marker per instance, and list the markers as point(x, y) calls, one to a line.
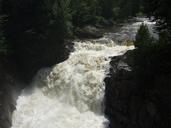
point(70, 94)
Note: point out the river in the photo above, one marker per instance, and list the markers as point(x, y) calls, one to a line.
point(71, 94)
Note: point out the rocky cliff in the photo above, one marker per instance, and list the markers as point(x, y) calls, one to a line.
point(133, 101)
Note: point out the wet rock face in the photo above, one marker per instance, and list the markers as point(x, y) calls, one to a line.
point(7, 103)
point(131, 105)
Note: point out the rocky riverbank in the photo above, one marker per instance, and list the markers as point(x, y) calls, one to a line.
point(132, 103)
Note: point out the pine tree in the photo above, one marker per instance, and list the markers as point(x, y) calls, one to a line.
point(143, 37)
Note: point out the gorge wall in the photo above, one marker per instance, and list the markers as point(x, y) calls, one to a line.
point(133, 103)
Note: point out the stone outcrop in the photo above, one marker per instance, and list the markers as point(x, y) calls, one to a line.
point(131, 104)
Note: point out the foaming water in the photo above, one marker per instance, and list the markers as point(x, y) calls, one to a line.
point(70, 95)
point(128, 30)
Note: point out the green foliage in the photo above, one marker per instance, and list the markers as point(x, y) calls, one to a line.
point(107, 8)
point(116, 12)
point(85, 12)
point(62, 18)
point(36, 29)
point(160, 10)
point(127, 8)
point(143, 37)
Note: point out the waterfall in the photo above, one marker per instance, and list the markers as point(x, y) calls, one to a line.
point(71, 93)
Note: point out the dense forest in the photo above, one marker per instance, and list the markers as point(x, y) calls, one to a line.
point(33, 34)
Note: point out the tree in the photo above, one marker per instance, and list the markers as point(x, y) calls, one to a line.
point(107, 8)
point(36, 30)
point(129, 8)
point(143, 37)
point(84, 13)
point(160, 10)
point(62, 18)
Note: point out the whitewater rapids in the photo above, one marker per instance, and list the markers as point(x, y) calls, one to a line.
point(70, 94)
